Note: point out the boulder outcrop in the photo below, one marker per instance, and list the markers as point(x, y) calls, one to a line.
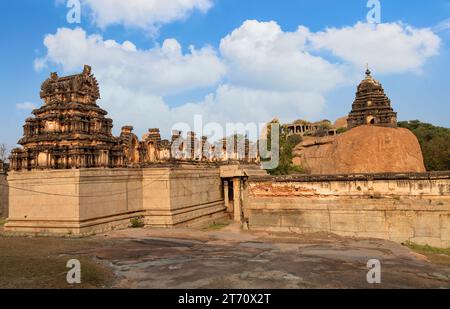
point(364, 149)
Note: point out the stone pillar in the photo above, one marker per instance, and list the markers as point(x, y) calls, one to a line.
point(237, 199)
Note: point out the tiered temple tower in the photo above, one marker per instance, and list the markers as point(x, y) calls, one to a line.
point(70, 130)
point(371, 106)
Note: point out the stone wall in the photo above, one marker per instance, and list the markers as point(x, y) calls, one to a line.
point(187, 195)
point(397, 207)
point(94, 200)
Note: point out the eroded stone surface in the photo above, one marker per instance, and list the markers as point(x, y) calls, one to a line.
point(227, 259)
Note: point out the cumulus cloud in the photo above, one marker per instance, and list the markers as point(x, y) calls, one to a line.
point(260, 71)
point(242, 104)
point(261, 55)
point(162, 70)
point(145, 14)
point(27, 106)
point(388, 48)
point(228, 103)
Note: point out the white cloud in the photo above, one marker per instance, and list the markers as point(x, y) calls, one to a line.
point(241, 104)
point(261, 55)
point(145, 14)
point(27, 106)
point(388, 48)
point(227, 104)
point(162, 70)
point(442, 26)
point(262, 72)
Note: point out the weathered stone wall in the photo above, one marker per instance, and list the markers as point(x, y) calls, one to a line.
point(3, 195)
point(188, 195)
point(71, 201)
point(109, 198)
point(95, 200)
point(397, 207)
point(196, 196)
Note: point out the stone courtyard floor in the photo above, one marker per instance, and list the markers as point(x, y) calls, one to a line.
point(218, 257)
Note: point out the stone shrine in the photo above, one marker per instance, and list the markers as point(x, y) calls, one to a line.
point(371, 106)
point(70, 130)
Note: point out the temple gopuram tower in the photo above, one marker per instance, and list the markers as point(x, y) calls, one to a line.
point(70, 130)
point(371, 106)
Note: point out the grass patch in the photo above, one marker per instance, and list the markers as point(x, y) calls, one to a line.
point(427, 248)
point(41, 263)
point(2, 222)
point(435, 255)
point(216, 226)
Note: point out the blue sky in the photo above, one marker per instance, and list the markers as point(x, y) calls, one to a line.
point(218, 79)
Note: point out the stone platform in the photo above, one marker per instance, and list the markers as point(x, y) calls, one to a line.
point(86, 201)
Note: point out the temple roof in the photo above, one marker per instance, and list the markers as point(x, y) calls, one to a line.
point(80, 84)
point(369, 82)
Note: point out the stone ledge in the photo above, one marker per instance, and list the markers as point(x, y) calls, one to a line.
point(353, 177)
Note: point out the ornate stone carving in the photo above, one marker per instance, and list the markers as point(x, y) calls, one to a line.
point(71, 131)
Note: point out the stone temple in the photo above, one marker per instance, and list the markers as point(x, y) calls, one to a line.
point(72, 176)
point(71, 131)
point(371, 106)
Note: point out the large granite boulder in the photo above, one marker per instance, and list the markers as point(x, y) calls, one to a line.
point(364, 149)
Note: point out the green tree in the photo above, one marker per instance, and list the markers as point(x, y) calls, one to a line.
point(341, 130)
point(434, 141)
point(287, 145)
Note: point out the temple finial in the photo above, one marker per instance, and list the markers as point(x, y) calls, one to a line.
point(368, 70)
point(87, 69)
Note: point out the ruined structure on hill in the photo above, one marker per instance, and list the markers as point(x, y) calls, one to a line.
point(371, 106)
point(306, 128)
point(373, 143)
point(71, 131)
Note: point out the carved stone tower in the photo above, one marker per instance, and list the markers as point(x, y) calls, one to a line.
point(371, 106)
point(70, 130)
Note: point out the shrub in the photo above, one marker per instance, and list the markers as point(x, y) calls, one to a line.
point(137, 222)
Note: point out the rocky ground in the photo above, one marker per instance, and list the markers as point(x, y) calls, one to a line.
point(218, 257)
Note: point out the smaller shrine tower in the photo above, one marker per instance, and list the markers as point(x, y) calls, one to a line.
point(371, 106)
